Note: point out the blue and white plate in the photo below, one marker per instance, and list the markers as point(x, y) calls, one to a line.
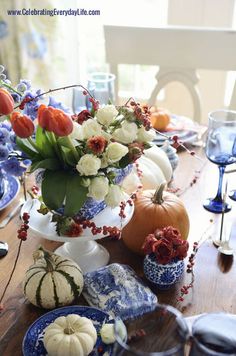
point(11, 189)
point(186, 129)
point(33, 340)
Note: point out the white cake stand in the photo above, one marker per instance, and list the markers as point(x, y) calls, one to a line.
point(84, 250)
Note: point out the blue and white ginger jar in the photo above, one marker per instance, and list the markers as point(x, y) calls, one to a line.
point(162, 276)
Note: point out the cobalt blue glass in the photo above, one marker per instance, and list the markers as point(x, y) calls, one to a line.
point(232, 195)
point(220, 150)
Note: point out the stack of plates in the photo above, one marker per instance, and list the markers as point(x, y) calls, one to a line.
point(187, 130)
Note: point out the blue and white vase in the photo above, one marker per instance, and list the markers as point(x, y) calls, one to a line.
point(162, 276)
point(171, 154)
point(91, 206)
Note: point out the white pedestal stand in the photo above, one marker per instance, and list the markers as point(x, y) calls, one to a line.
point(83, 249)
point(88, 254)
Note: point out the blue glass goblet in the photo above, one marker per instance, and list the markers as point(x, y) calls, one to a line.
point(232, 195)
point(221, 150)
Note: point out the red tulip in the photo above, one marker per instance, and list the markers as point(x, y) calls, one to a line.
point(22, 125)
point(54, 120)
point(6, 102)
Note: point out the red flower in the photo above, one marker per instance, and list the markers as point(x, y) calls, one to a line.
point(82, 116)
point(22, 125)
point(182, 250)
point(6, 102)
point(166, 244)
point(54, 120)
point(147, 246)
point(163, 251)
point(97, 144)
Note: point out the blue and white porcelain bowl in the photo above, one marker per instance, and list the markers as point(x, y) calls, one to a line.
point(162, 276)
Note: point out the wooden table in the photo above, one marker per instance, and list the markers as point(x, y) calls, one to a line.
point(215, 275)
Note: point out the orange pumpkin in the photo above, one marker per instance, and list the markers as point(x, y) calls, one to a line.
point(154, 209)
point(160, 118)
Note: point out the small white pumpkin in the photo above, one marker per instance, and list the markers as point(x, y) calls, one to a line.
point(52, 280)
point(158, 156)
point(70, 335)
point(155, 167)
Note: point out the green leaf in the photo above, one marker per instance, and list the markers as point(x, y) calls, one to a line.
point(44, 144)
point(124, 161)
point(68, 156)
point(63, 141)
point(49, 163)
point(54, 186)
point(25, 146)
point(76, 195)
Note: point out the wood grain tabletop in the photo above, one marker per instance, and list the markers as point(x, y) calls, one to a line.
point(215, 274)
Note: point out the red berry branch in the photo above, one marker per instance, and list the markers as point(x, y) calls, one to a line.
point(22, 236)
point(191, 262)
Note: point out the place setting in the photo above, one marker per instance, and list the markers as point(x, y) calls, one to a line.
point(102, 196)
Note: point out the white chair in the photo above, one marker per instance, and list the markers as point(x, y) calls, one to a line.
point(178, 51)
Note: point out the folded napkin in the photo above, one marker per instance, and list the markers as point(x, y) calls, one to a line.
point(215, 332)
point(117, 290)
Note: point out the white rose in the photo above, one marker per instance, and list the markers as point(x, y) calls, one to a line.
point(127, 133)
point(115, 196)
point(107, 334)
point(88, 165)
point(106, 135)
point(115, 151)
point(91, 128)
point(146, 136)
point(98, 188)
point(106, 114)
point(104, 161)
point(77, 132)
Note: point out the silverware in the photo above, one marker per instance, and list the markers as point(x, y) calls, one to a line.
point(11, 215)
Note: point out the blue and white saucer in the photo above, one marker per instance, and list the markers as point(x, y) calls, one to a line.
point(11, 190)
point(33, 340)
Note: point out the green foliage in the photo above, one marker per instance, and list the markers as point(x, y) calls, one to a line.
point(63, 186)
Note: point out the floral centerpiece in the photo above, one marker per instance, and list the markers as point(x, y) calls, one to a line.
point(165, 251)
point(79, 156)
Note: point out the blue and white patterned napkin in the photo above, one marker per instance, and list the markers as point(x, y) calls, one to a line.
point(117, 290)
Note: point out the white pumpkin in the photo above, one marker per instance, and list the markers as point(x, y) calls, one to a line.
point(53, 280)
point(151, 173)
point(158, 156)
point(70, 335)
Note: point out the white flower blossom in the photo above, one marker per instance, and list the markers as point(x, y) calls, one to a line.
point(146, 136)
point(91, 128)
point(115, 196)
point(106, 114)
point(127, 133)
point(98, 188)
point(88, 165)
point(77, 133)
point(115, 151)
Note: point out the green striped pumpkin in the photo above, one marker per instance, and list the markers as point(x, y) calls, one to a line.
point(52, 281)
